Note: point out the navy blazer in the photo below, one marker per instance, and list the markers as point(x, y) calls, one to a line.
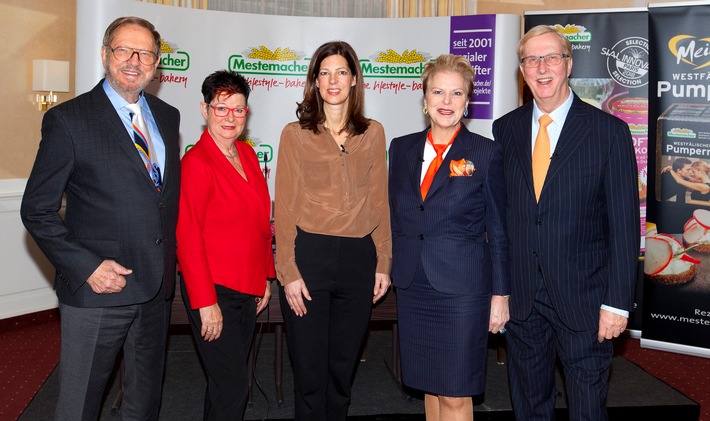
point(458, 233)
point(584, 234)
point(113, 210)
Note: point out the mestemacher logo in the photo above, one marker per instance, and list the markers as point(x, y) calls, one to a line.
point(627, 61)
point(265, 67)
point(688, 49)
point(171, 59)
point(265, 64)
point(682, 133)
point(390, 64)
point(574, 33)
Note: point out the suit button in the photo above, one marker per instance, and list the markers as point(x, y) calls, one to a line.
point(421, 208)
point(421, 236)
point(159, 241)
point(535, 254)
point(538, 222)
point(161, 205)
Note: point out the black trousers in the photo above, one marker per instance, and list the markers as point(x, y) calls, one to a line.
point(325, 343)
point(225, 359)
point(534, 344)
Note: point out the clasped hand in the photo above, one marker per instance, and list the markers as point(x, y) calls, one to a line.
point(108, 278)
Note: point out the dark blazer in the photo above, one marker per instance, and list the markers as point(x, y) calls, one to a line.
point(458, 232)
point(583, 235)
point(113, 211)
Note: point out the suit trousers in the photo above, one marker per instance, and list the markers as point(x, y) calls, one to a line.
point(325, 344)
point(91, 340)
point(225, 359)
point(533, 347)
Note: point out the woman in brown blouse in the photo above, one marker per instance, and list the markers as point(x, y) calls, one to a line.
point(333, 237)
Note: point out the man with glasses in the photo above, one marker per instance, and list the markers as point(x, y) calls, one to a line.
point(573, 222)
point(113, 154)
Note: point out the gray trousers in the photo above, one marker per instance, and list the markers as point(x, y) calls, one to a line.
point(91, 341)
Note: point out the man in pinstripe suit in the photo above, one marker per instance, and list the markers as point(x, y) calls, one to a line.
point(574, 247)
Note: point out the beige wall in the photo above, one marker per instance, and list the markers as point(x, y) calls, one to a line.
point(46, 29)
point(518, 7)
point(29, 29)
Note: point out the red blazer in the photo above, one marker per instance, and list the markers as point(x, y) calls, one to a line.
point(223, 231)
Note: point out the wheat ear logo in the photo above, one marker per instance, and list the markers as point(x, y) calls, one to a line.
point(263, 53)
point(171, 58)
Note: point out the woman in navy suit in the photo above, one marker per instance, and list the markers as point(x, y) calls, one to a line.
point(450, 249)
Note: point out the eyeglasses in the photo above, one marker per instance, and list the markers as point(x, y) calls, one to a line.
point(146, 57)
point(552, 59)
point(222, 111)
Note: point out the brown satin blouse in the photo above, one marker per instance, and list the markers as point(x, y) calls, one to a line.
point(323, 190)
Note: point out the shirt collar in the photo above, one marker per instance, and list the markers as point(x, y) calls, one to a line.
point(119, 102)
point(559, 114)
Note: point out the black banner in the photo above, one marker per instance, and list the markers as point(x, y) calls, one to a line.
point(677, 266)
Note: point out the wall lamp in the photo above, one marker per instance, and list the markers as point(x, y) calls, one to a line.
point(49, 76)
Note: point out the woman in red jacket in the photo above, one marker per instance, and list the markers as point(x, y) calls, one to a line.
point(224, 244)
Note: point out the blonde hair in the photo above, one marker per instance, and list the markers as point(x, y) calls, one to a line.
point(702, 165)
point(542, 30)
point(449, 63)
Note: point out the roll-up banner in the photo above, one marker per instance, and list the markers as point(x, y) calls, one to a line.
point(610, 53)
point(274, 52)
point(677, 269)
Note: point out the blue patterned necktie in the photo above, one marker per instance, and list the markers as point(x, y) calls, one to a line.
point(141, 138)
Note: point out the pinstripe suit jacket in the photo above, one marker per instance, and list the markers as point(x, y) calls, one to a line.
point(113, 210)
point(583, 235)
point(458, 232)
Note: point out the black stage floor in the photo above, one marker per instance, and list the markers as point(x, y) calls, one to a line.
point(633, 393)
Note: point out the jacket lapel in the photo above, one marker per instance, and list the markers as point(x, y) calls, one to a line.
point(523, 149)
point(574, 132)
point(115, 128)
point(162, 124)
point(456, 151)
point(414, 158)
point(227, 173)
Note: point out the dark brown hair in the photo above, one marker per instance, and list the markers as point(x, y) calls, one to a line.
point(310, 111)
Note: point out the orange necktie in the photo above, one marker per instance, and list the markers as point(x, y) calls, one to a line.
point(436, 163)
point(541, 155)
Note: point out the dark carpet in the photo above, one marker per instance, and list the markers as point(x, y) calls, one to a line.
point(633, 393)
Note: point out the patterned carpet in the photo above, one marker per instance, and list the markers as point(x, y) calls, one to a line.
point(689, 375)
point(29, 346)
